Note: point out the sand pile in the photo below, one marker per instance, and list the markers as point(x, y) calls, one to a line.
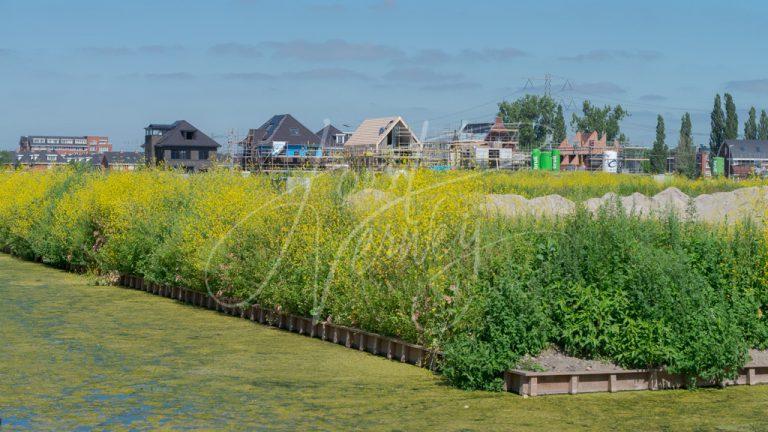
point(718, 207)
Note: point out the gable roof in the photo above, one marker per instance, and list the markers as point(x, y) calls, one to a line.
point(282, 127)
point(499, 132)
point(746, 149)
point(372, 132)
point(172, 136)
point(328, 134)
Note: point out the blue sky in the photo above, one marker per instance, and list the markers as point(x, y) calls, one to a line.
point(111, 67)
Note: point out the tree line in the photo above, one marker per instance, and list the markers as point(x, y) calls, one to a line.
point(724, 124)
point(541, 121)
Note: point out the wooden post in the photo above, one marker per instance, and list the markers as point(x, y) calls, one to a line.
point(533, 383)
point(573, 387)
point(362, 342)
point(612, 384)
point(751, 376)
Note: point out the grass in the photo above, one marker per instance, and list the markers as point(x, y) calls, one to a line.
point(79, 355)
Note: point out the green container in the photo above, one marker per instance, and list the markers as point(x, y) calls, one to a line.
point(546, 161)
point(536, 159)
point(555, 160)
point(718, 167)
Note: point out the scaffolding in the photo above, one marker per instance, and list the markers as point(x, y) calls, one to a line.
point(450, 149)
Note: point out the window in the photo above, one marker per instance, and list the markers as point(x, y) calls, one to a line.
point(203, 154)
point(188, 135)
point(179, 154)
point(51, 158)
point(294, 131)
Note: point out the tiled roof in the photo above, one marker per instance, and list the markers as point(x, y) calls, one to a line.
point(328, 134)
point(284, 128)
point(372, 132)
point(118, 157)
point(173, 136)
point(748, 149)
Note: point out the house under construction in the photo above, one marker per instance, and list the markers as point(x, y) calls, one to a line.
point(282, 141)
point(487, 145)
point(383, 141)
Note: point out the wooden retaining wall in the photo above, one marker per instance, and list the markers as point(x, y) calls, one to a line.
point(548, 383)
point(393, 349)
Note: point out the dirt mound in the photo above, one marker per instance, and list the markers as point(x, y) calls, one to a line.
point(515, 205)
point(551, 205)
point(553, 360)
point(639, 204)
point(732, 206)
point(594, 204)
point(713, 208)
point(506, 205)
point(671, 200)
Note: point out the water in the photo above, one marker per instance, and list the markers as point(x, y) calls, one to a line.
point(75, 356)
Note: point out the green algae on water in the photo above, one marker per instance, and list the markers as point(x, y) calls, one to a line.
point(76, 355)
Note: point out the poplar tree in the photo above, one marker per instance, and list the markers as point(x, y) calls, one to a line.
point(731, 118)
point(659, 152)
point(717, 135)
point(750, 127)
point(762, 129)
point(558, 128)
point(686, 152)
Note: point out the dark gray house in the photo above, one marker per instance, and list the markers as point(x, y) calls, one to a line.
point(332, 140)
point(179, 145)
point(118, 160)
point(744, 157)
point(282, 136)
point(331, 137)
